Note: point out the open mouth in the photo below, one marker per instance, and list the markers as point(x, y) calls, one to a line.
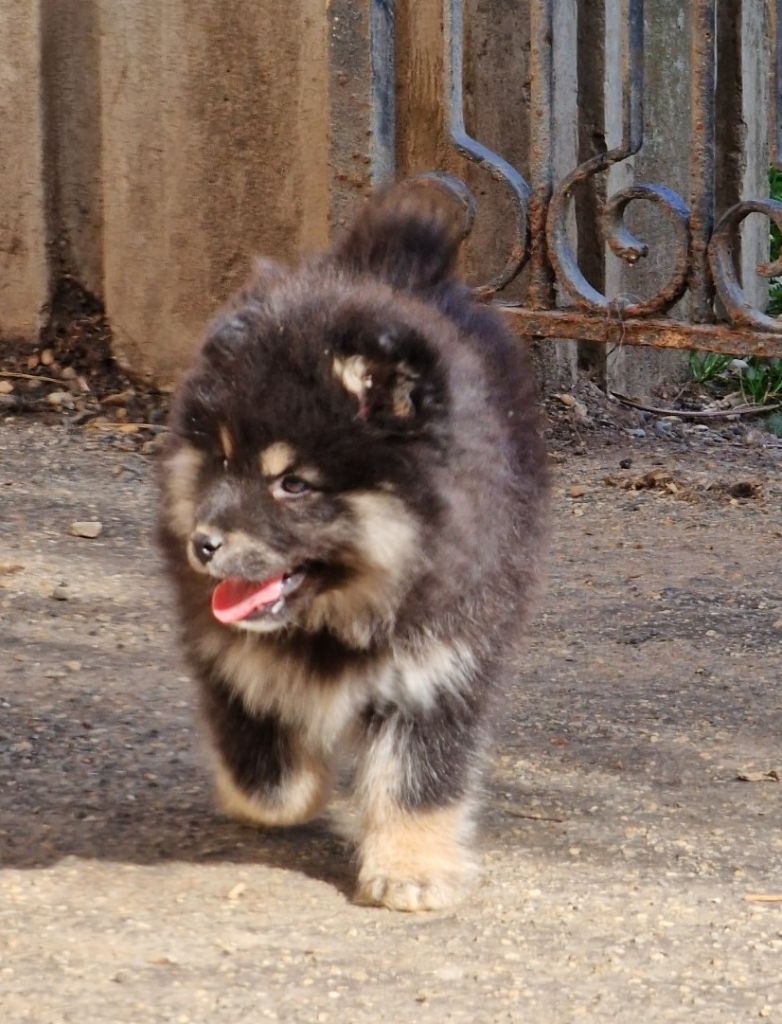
point(238, 600)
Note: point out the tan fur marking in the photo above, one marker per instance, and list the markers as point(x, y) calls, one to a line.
point(226, 441)
point(353, 374)
point(402, 395)
point(436, 666)
point(389, 531)
point(180, 489)
point(415, 860)
point(384, 549)
point(303, 798)
point(272, 682)
point(277, 458)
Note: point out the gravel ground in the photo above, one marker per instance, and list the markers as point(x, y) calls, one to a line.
point(623, 857)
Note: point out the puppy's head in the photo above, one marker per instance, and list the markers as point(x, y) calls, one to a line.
point(298, 479)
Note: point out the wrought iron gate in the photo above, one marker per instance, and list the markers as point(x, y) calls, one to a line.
point(713, 309)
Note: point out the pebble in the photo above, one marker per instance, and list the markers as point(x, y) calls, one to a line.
point(59, 398)
point(87, 528)
point(60, 593)
point(6, 387)
point(637, 432)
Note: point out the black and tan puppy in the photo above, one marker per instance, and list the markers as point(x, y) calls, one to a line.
point(352, 513)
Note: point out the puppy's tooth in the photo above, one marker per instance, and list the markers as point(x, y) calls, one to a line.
point(278, 606)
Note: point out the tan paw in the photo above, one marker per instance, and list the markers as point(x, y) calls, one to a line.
point(411, 894)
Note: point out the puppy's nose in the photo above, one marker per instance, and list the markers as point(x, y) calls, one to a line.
point(205, 545)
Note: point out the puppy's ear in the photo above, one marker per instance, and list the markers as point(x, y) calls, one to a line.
point(396, 381)
point(407, 235)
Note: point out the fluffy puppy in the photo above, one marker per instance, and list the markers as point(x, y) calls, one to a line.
point(352, 512)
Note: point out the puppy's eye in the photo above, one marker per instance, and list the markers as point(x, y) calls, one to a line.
point(291, 486)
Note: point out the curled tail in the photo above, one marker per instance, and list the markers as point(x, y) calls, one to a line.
point(409, 234)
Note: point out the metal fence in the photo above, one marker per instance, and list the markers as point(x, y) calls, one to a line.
point(702, 303)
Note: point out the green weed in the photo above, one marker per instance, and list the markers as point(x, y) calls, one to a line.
point(761, 381)
point(706, 367)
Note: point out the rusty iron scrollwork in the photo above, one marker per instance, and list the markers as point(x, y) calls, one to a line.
point(621, 241)
point(722, 249)
point(468, 147)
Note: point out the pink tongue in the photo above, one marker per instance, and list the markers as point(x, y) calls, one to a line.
point(234, 600)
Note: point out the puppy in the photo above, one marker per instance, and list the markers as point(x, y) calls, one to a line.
point(353, 502)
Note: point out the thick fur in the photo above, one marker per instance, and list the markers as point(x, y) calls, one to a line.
point(359, 416)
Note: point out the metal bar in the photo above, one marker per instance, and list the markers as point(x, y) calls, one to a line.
point(633, 75)
point(655, 333)
point(775, 132)
point(540, 293)
point(702, 119)
point(382, 151)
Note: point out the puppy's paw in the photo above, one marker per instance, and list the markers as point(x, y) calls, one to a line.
point(411, 894)
point(300, 801)
point(415, 861)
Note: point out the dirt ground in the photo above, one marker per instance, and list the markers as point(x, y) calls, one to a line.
point(629, 874)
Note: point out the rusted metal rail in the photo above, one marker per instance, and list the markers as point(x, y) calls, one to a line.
point(559, 302)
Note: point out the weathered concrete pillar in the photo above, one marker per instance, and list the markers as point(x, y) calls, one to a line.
point(214, 126)
point(24, 278)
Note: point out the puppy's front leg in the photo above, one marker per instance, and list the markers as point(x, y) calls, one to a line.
point(264, 772)
point(414, 784)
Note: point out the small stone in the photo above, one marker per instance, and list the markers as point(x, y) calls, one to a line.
point(154, 445)
point(625, 463)
point(666, 428)
point(60, 398)
point(73, 666)
point(89, 529)
point(637, 432)
point(119, 398)
point(577, 491)
point(6, 387)
point(745, 489)
point(68, 373)
point(47, 357)
point(60, 593)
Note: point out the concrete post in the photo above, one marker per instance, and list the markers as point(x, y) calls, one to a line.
point(214, 126)
point(24, 278)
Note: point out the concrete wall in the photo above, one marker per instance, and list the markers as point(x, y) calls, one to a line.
point(151, 149)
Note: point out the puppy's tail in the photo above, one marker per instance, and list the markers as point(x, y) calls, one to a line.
point(409, 234)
